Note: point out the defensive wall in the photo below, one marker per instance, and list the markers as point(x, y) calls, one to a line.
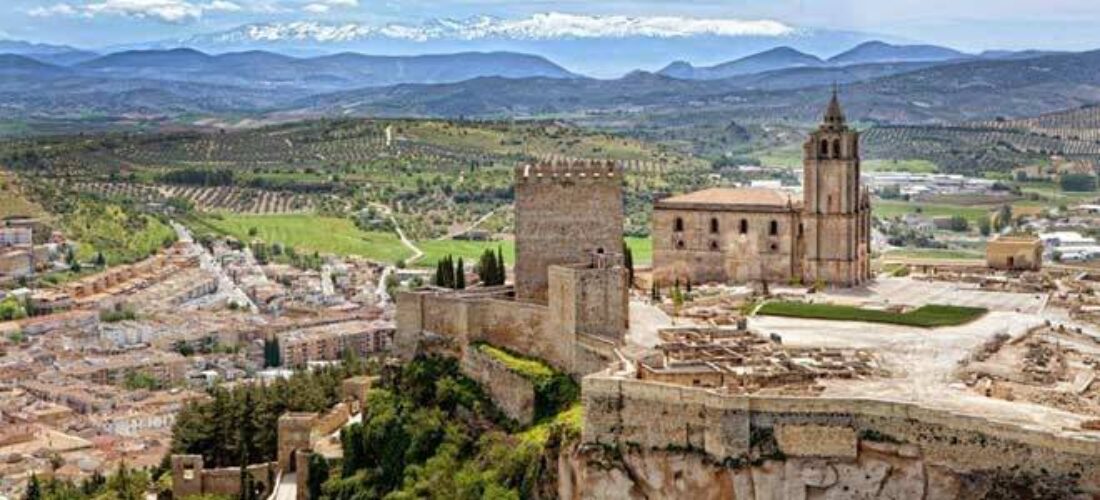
point(576, 332)
point(510, 391)
point(189, 478)
point(629, 412)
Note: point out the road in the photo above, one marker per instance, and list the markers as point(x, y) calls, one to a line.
point(226, 285)
point(288, 487)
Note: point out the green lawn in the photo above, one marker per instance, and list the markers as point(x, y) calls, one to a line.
point(312, 232)
point(926, 316)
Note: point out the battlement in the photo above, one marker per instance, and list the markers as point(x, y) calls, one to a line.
point(569, 168)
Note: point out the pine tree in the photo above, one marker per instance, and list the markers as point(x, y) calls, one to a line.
point(460, 275)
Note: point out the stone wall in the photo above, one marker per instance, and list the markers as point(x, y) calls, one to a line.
point(628, 412)
point(584, 299)
point(512, 393)
point(189, 478)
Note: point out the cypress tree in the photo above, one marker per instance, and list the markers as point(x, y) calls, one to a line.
point(628, 262)
point(34, 488)
point(460, 275)
point(502, 273)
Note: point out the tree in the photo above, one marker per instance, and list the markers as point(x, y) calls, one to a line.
point(460, 275)
point(271, 353)
point(100, 260)
point(245, 440)
point(503, 273)
point(318, 473)
point(34, 488)
point(959, 223)
point(984, 226)
point(628, 262)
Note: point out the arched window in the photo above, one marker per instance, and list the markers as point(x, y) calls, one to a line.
point(714, 225)
point(836, 148)
point(714, 246)
point(800, 229)
point(744, 226)
point(773, 228)
point(680, 244)
point(824, 148)
point(678, 226)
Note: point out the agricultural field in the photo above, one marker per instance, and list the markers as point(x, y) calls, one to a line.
point(973, 149)
point(310, 233)
point(929, 316)
point(1081, 124)
point(892, 208)
point(14, 202)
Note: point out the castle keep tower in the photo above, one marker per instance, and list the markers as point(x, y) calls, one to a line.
point(836, 209)
point(567, 212)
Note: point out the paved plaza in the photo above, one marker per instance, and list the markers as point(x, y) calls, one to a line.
point(917, 293)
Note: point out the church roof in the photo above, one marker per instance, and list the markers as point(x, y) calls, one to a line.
point(732, 198)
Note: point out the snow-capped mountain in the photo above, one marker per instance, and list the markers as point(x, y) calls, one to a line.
point(578, 42)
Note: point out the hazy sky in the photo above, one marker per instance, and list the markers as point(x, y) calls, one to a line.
point(964, 24)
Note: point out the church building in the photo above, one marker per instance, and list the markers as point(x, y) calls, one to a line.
point(739, 235)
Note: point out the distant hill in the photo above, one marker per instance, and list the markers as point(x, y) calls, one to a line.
point(878, 52)
point(321, 74)
point(774, 59)
point(52, 54)
point(965, 90)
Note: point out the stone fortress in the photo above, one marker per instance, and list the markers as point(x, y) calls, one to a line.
point(569, 302)
point(754, 234)
point(704, 412)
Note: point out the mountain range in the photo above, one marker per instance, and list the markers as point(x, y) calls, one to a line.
point(881, 82)
point(598, 46)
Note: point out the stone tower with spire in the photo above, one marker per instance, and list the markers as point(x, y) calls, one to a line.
point(836, 216)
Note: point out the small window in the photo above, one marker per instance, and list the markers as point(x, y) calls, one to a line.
point(774, 247)
point(680, 245)
point(678, 225)
point(714, 246)
point(744, 226)
point(599, 250)
point(773, 228)
point(799, 229)
point(824, 148)
point(836, 148)
point(714, 225)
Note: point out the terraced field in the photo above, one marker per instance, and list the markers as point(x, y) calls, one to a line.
point(218, 198)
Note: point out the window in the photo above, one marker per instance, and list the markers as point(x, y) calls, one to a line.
point(773, 228)
point(714, 225)
point(799, 229)
point(680, 244)
point(774, 247)
point(744, 226)
point(836, 148)
point(824, 148)
point(714, 246)
point(678, 225)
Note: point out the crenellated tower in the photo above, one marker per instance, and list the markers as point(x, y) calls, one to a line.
point(836, 216)
point(567, 212)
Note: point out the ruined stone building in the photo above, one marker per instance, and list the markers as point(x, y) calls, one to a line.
point(752, 234)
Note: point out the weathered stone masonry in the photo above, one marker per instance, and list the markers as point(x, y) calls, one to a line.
point(627, 412)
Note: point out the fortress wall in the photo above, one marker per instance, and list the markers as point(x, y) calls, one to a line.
point(524, 328)
point(446, 315)
point(630, 412)
point(512, 393)
point(591, 355)
point(330, 421)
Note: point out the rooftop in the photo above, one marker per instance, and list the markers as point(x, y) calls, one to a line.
point(732, 197)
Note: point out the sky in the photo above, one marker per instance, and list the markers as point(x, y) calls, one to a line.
point(964, 24)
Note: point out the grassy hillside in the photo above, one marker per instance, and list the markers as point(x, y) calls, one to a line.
point(312, 233)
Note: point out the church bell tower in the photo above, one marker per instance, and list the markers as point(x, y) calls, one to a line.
point(836, 214)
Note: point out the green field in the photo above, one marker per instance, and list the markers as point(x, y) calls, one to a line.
point(311, 232)
point(341, 237)
point(892, 208)
point(928, 316)
point(936, 253)
point(470, 251)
